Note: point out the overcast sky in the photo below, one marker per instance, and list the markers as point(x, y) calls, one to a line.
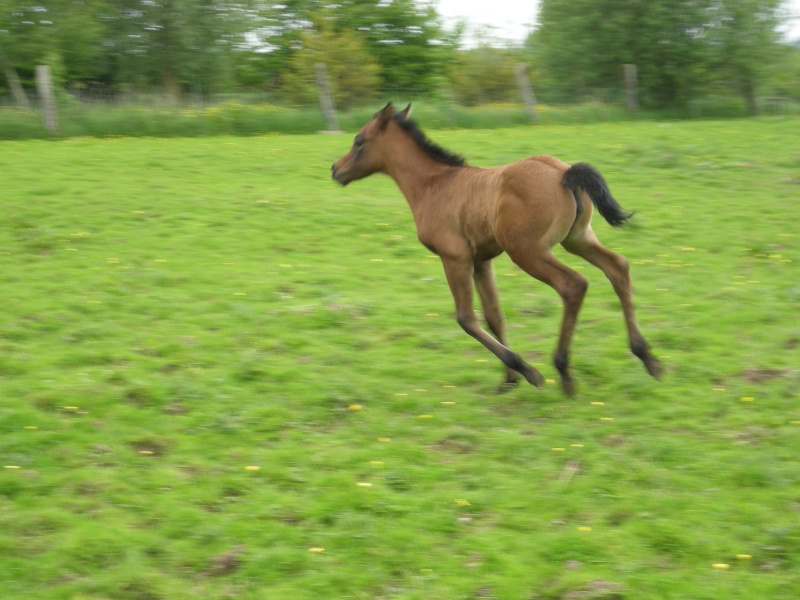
point(514, 19)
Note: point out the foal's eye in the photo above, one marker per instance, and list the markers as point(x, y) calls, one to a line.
point(359, 143)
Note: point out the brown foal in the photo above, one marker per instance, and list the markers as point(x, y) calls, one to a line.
point(468, 216)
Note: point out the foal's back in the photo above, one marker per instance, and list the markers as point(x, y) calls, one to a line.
point(525, 198)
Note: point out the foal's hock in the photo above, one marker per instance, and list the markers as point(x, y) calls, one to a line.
point(468, 216)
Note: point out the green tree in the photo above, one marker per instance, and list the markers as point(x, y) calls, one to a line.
point(679, 46)
point(745, 38)
point(353, 76)
point(485, 74)
point(586, 42)
point(176, 43)
point(67, 34)
point(405, 37)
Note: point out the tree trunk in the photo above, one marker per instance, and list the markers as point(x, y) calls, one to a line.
point(172, 89)
point(749, 93)
point(17, 91)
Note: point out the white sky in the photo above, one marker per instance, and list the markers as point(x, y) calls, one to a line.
point(514, 19)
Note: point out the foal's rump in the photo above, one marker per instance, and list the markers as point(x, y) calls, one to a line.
point(534, 202)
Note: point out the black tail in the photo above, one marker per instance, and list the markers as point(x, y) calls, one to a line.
point(590, 181)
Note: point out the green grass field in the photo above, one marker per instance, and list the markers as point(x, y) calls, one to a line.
point(222, 376)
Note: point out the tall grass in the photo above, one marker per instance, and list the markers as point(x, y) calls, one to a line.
point(232, 117)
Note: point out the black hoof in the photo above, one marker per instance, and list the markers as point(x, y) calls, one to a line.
point(532, 375)
point(506, 386)
point(653, 366)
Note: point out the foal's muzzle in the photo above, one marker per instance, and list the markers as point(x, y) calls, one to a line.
point(337, 175)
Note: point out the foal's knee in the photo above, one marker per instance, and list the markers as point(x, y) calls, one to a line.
point(575, 289)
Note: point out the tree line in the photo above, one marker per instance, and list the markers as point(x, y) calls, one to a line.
point(371, 48)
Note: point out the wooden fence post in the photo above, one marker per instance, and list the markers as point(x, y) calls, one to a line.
point(325, 99)
point(631, 88)
point(526, 91)
point(44, 85)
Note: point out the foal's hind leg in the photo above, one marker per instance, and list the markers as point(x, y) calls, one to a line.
point(487, 290)
point(616, 268)
point(570, 285)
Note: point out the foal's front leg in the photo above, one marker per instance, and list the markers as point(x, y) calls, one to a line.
point(483, 276)
point(459, 272)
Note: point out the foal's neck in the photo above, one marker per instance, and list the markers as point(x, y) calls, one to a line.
point(416, 174)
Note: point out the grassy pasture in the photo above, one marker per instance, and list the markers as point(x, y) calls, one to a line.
point(223, 376)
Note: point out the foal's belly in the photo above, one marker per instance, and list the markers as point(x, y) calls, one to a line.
point(487, 250)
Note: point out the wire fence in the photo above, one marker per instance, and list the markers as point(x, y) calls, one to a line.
point(103, 112)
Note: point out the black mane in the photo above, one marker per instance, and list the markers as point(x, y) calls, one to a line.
point(435, 151)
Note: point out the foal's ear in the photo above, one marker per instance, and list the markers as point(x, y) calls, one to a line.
point(385, 115)
point(403, 114)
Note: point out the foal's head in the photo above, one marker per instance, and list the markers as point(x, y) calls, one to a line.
point(367, 155)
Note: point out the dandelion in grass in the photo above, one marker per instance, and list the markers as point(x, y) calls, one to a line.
point(584, 529)
point(252, 468)
point(747, 399)
point(384, 440)
point(316, 550)
point(744, 556)
point(364, 484)
point(463, 502)
point(721, 566)
point(354, 407)
point(448, 403)
point(11, 467)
